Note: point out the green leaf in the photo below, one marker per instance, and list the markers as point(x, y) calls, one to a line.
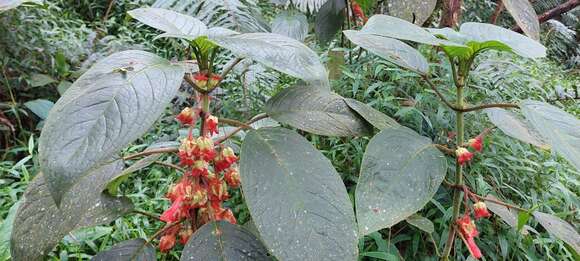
point(223, 241)
point(397, 28)
point(292, 24)
point(63, 86)
point(523, 12)
point(421, 222)
point(82, 235)
point(130, 250)
point(113, 186)
point(278, 52)
point(109, 106)
point(556, 126)
point(400, 173)
point(39, 225)
point(40, 107)
point(523, 218)
point(417, 11)
point(372, 116)
point(391, 50)
point(515, 127)
point(381, 256)
point(329, 20)
point(6, 231)
point(38, 80)
point(560, 229)
point(520, 44)
point(174, 24)
point(507, 215)
point(9, 4)
point(317, 111)
point(296, 198)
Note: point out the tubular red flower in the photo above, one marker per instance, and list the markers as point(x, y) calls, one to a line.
point(467, 232)
point(166, 243)
point(476, 143)
point(225, 159)
point(480, 210)
point(463, 155)
point(211, 123)
point(186, 116)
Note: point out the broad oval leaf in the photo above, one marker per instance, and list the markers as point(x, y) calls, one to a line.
point(174, 24)
point(558, 127)
point(415, 11)
point(559, 228)
point(108, 107)
point(296, 198)
point(40, 107)
point(394, 27)
point(400, 173)
point(520, 44)
point(391, 50)
point(372, 116)
point(39, 224)
point(421, 222)
point(223, 241)
point(515, 127)
point(316, 111)
point(291, 24)
point(279, 52)
point(329, 20)
point(130, 250)
point(523, 12)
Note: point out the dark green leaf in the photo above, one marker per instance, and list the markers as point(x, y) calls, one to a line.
point(525, 15)
point(515, 127)
point(421, 222)
point(296, 198)
point(400, 173)
point(130, 250)
point(39, 225)
point(292, 24)
point(172, 23)
point(223, 241)
point(559, 228)
point(391, 50)
point(37, 80)
point(109, 106)
point(417, 11)
point(372, 116)
point(558, 127)
point(329, 20)
point(40, 107)
point(520, 44)
point(317, 111)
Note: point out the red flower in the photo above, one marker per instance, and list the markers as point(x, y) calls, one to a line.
point(175, 212)
point(225, 214)
point(232, 177)
point(185, 234)
point(187, 151)
point(463, 155)
point(204, 149)
point(211, 123)
point(198, 196)
point(476, 144)
point(214, 80)
point(199, 168)
point(166, 243)
point(186, 116)
point(358, 12)
point(200, 79)
point(480, 210)
point(467, 232)
point(218, 190)
point(225, 159)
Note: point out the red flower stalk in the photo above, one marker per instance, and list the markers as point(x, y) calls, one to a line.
point(463, 155)
point(476, 143)
point(480, 210)
point(232, 177)
point(204, 149)
point(211, 124)
point(225, 159)
point(200, 79)
point(214, 80)
point(186, 116)
point(166, 243)
point(467, 232)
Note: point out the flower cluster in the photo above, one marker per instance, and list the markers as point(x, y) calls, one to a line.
point(467, 229)
point(205, 81)
point(464, 155)
point(198, 195)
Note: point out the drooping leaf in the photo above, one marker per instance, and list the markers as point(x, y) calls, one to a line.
point(400, 173)
point(520, 44)
point(421, 222)
point(393, 27)
point(515, 127)
point(329, 20)
point(507, 215)
point(38, 80)
point(523, 12)
point(278, 52)
point(372, 116)
point(174, 24)
point(40, 107)
point(39, 225)
point(223, 241)
point(291, 24)
point(296, 198)
point(104, 110)
point(391, 50)
point(414, 11)
point(556, 126)
point(469, 47)
point(316, 111)
point(130, 250)
point(559, 228)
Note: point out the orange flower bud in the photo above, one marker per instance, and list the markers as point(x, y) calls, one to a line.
point(476, 144)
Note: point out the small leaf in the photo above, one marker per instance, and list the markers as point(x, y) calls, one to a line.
point(556, 126)
point(316, 111)
point(291, 24)
point(400, 173)
point(223, 241)
point(560, 229)
point(421, 222)
point(38, 80)
point(329, 20)
point(296, 198)
point(130, 250)
point(525, 15)
point(515, 127)
point(372, 116)
point(40, 107)
point(172, 23)
point(417, 11)
point(39, 225)
point(278, 52)
point(63, 86)
point(397, 28)
point(520, 44)
point(391, 50)
point(102, 112)
point(523, 218)
point(113, 185)
point(6, 230)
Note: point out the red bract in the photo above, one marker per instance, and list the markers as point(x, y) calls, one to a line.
point(175, 212)
point(204, 149)
point(200, 79)
point(186, 116)
point(232, 177)
point(476, 144)
point(198, 197)
point(463, 155)
point(211, 123)
point(480, 210)
point(467, 232)
point(199, 168)
point(187, 151)
point(214, 80)
point(218, 190)
point(225, 159)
